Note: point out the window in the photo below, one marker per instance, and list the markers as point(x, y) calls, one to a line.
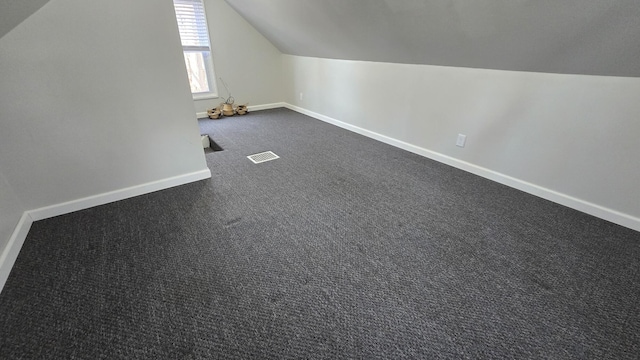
point(194, 34)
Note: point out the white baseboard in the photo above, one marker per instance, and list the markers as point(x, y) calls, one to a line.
point(554, 196)
point(12, 249)
point(203, 114)
point(116, 195)
point(266, 106)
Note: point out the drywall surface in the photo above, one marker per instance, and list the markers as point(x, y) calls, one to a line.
point(11, 210)
point(597, 37)
point(13, 12)
point(246, 60)
point(93, 99)
point(576, 135)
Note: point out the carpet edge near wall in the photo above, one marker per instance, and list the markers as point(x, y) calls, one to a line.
point(9, 253)
point(569, 201)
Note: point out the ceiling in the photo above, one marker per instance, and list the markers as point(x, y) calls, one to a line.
point(13, 12)
point(595, 37)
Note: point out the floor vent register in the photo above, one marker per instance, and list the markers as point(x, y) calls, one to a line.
point(262, 157)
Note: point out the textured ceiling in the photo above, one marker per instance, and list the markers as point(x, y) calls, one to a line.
point(596, 37)
point(13, 12)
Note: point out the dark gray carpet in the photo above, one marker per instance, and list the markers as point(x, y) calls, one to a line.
point(342, 248)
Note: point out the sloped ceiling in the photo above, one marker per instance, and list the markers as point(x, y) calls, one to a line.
point(13, 12)
point(596, 37)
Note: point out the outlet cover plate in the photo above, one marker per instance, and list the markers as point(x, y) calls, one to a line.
point(462, 139)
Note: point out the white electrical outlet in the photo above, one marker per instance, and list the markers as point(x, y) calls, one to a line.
point(301, 95)
point(462, 139)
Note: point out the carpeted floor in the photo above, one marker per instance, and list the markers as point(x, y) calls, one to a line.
point(343, 248)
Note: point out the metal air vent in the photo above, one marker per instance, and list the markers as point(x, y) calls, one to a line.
point(262, 157)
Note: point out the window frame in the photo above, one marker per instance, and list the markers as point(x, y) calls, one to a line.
point(204, 47)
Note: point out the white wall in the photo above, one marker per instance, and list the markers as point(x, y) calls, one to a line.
point(247, 62)
point(570, 134)
point(93, 99)
point(13, 13)
point(11, 210)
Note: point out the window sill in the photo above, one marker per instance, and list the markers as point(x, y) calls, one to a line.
point(205, 96)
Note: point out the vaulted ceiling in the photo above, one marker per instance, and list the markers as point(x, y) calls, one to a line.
point(596, 37)
point(13, 12)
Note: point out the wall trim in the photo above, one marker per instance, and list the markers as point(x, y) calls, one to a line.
point(12, 249)
point(266, 106)
point(116, 195)
point(203, 114)
point(596, 210)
